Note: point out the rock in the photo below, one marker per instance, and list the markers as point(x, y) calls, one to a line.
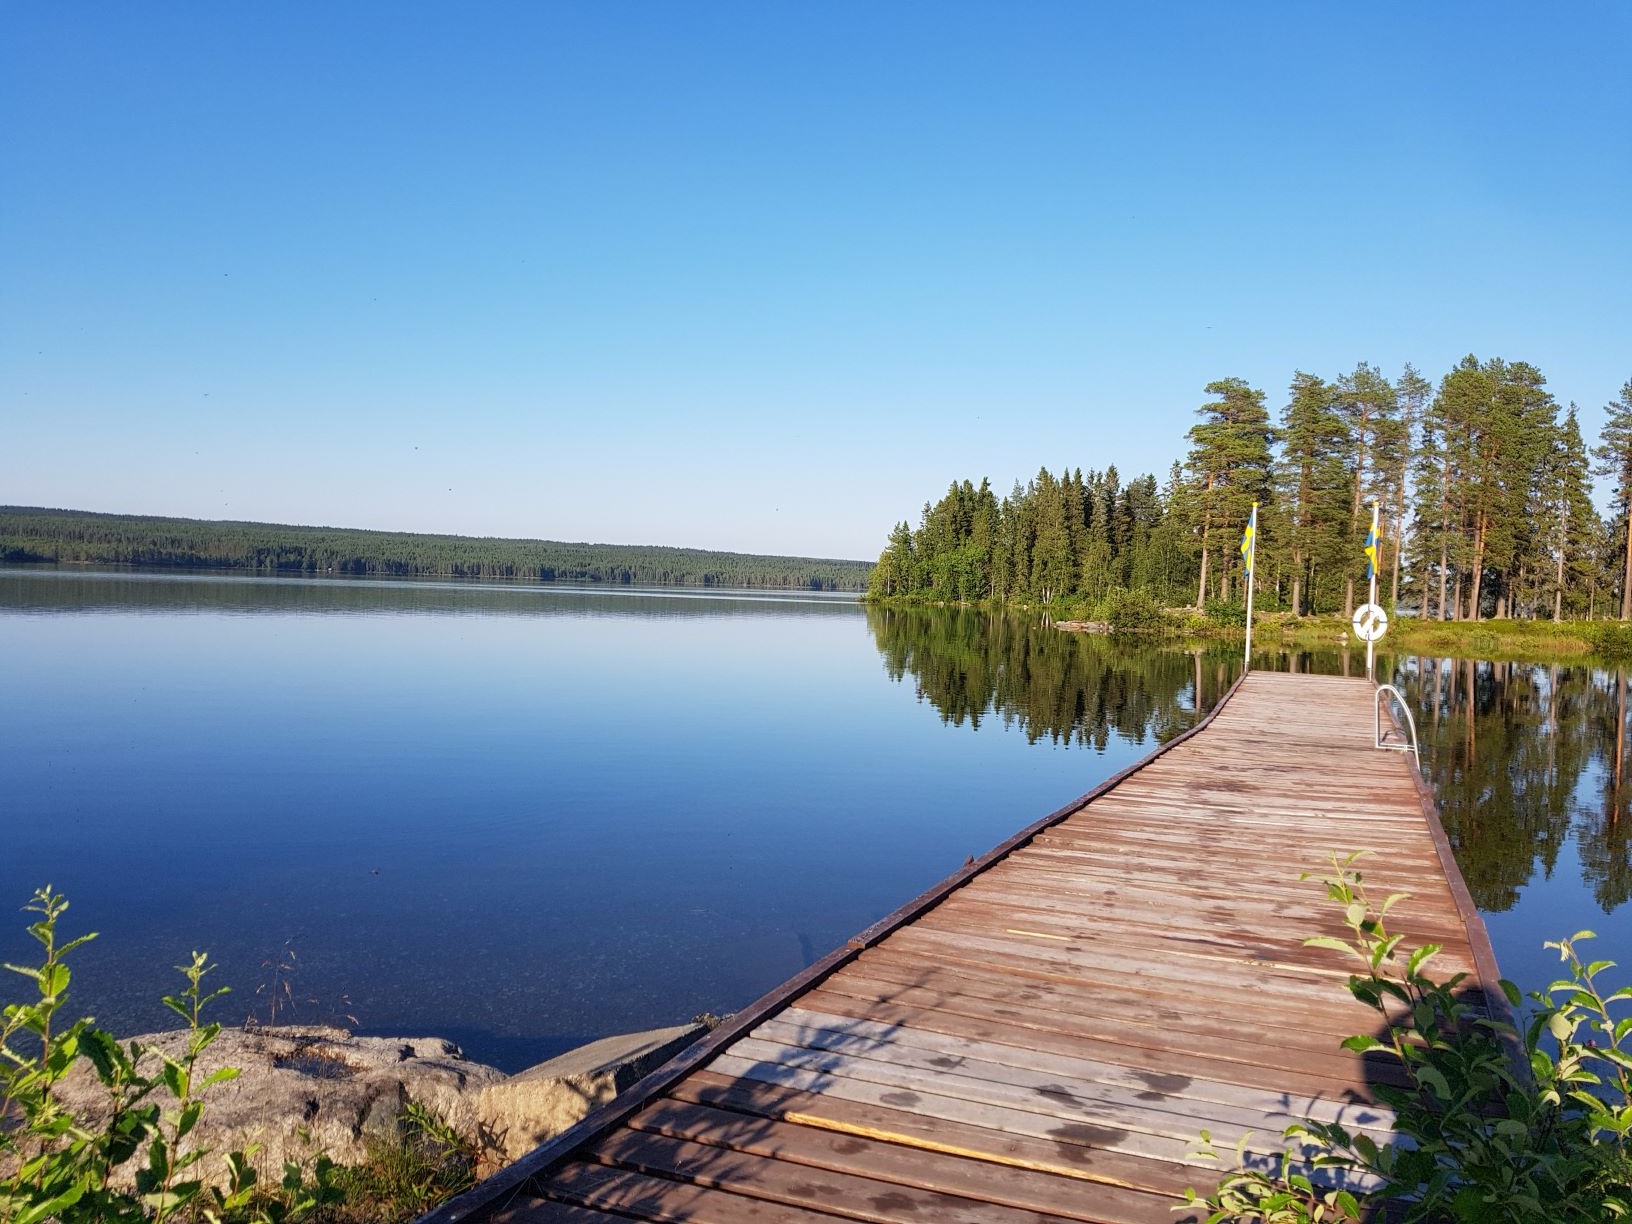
point(305, 1090)
point(519, 1113)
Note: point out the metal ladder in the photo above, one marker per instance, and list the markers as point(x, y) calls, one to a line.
point(1391, 740)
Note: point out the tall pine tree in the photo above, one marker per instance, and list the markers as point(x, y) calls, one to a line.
point(1230, 468)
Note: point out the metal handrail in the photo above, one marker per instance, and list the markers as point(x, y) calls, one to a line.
point(1411, 722)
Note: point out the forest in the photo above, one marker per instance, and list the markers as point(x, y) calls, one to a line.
point(1483, 486)
point(79, 537)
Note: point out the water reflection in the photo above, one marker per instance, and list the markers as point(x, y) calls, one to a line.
point(1523, 757)
point(1069, 688)
point(53, 591)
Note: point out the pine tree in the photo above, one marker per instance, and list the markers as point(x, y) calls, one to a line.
point(1567, 509)
point(1313, 483)
point(1368, 404)
point(1229, 465)
point(1614, 455)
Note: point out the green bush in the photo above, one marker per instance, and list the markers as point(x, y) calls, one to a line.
point(1483, 1136)
point(1228, 613)
point(1610, 639)
point(1134, 611)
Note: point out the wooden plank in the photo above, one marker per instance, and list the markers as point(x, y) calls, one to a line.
point(999, 1060)
point(1054, 1096)
point(804, 1185)
point(1275, 986)
point(1145, 936)
point(1050, 1001)
point(1109, 1133)
point(1314, 1054)
point(1064, 1156)
point(533, 1210)
point(641, 1196)
point(1027, 1190)
point(1340, 1075)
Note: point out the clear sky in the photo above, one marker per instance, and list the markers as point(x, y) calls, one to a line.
point(763, 276)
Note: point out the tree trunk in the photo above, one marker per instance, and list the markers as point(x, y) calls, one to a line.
point(1399, 545)
point(1626, 581)
point(1478, 567)
point(1558, 575)
point(1444, 573)
point(1206, 524)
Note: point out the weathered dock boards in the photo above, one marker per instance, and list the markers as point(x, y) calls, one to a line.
point(1043, 1036)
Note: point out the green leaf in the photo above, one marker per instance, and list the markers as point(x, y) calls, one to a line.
point(50, 1207)
point(1421, 957)
point(1329, 941)
point(175, 1077)
point(1363, 1042)
point(188, 1117)
point(1435, 1080)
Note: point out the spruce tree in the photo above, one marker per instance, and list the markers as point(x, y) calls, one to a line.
point(1614, 455)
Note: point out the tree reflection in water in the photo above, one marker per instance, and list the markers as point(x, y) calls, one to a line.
point(1521, 756)
point(1069, 688)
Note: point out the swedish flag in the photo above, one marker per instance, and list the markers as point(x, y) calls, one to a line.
point(1249, 540)
point(1374, 546)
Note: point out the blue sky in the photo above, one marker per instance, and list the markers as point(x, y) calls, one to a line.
point(763, 276)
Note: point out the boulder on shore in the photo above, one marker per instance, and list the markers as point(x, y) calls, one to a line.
point(521, 1112)
point(303, 1090)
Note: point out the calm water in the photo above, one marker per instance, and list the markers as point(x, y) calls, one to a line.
point(524, 817)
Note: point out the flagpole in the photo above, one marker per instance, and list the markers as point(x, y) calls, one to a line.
point(1252, 578)
point(1371, 595)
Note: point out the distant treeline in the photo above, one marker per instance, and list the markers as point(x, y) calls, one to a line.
point(29, 534)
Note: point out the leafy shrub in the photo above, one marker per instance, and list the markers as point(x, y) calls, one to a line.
point(1229, 613)
point(1610, 639)
point(1133, 611)
point(1483, 1136)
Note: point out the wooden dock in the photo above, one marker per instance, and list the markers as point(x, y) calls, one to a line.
point(1043, 1036)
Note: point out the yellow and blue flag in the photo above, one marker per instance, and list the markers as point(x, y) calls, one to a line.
point(1249, 540)
point(1374, 546)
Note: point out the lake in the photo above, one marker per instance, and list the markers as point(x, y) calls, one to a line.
point(526, 816)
